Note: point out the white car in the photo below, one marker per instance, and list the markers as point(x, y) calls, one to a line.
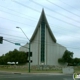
point(76, 76)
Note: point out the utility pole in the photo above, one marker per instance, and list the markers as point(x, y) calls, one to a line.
point(28, 48)
point(29, 56)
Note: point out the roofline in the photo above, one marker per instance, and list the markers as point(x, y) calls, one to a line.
point(43, 13)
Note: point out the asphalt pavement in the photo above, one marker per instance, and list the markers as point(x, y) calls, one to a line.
point(50, 76)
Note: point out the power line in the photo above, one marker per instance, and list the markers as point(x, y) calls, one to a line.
point(16, 15)
point(14, 43)
point(25, 6)
point(25, 38)
point(13, 36)
point(61, 31)
point(15, 39)
point(68, 4)
point(58, 13)
point(48, 15)
point(59, 19)
point(10, 9)
point(40, 42)
point(8, 41)
point(63, 8)
point(19, 12)
point(59, 27)
point(55, 11)
point(13, 30)
point(15, 21)
point(63, 21)
point(16, 11)
point(10, 30)
point(49, 43)
point(53, 31)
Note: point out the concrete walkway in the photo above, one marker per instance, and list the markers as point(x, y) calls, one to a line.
point(8, 72)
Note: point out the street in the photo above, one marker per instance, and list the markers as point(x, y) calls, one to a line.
point(34, 77)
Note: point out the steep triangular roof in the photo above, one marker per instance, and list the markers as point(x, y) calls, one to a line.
point(43, 17)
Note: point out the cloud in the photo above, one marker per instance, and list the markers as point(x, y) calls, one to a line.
point(66, 34)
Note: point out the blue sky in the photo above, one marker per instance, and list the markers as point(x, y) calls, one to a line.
point(63, 17)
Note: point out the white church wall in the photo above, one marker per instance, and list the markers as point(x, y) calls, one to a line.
point(54, 50)
point(35, 48)
point(24, 48)
point(54, 53)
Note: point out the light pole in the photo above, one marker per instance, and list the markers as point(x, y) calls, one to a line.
point(29, 46)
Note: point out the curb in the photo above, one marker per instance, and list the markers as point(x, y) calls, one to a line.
point(10, 73)
point(19, 73)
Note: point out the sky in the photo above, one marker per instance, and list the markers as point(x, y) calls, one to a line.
point(63, 17)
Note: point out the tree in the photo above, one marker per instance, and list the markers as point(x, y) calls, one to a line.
point(61, 61)
point(2, 62)
point(14, 56)
point(76, 61)
point(66, 58)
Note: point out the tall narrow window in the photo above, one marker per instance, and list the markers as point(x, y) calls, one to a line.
point(42, 41)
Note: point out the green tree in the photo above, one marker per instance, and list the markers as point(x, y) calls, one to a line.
point(14, 56)
point(61, 61)
point(76, 61)
point(2, 62)
point(66, 58)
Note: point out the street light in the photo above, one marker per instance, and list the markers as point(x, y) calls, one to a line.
point(29, 45)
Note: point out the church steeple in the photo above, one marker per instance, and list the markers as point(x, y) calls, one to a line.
point(41, 19)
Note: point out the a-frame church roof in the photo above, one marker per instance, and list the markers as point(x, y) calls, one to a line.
point(43, 17)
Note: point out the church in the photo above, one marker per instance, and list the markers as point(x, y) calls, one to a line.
point(43, 45)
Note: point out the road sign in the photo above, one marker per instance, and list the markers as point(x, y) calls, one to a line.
point(17, 44)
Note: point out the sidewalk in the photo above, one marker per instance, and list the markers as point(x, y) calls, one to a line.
point(19, 73)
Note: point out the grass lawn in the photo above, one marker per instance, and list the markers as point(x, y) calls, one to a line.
point(25, 70)
point(77, 69)
point(32, 71)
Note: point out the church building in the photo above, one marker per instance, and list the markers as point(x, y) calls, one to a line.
point(43, 45)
